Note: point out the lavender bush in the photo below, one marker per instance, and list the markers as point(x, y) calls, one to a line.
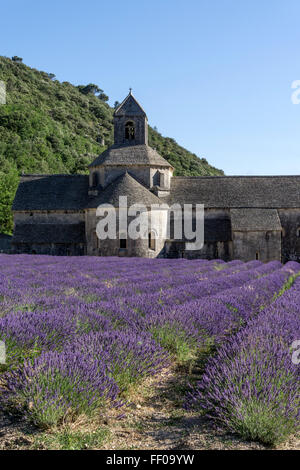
point(59, 386)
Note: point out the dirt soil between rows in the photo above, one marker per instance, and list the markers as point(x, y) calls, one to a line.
point(154, 420)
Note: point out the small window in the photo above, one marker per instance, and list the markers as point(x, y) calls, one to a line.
point(96, 241)
point(129, 131)
point(156, 178)
point(95, 179)
point(151, 241)
point(298, 232)
point(161, 179)
point(123, 243)
point(257, 255)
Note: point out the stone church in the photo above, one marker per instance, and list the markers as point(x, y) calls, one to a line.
point(246, 217)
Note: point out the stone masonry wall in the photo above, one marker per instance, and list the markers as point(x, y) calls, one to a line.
point(108, 247)
point(265, 246)
point(290, 221)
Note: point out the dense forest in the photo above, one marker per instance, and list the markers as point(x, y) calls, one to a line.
point(51, 127)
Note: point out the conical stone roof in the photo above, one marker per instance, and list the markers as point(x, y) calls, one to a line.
point(130, 155)
point(124, 185)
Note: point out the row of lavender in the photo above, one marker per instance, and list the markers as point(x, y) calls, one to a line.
point(80, 331)
point(252, 384)
point(62, 313)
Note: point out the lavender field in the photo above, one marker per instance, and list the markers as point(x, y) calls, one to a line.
point(82, 333)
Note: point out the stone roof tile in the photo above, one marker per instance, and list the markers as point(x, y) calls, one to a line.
point(51, 192)
point(130, 106)
point(130, 155)
point(247, 220)
point(236, 191)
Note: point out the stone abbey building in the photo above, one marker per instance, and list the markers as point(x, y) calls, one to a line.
point(246, 217)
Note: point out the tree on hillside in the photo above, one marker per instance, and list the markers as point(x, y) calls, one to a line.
point(90, 89)
point(103, 97)
point(17, 59)
point(8, 186)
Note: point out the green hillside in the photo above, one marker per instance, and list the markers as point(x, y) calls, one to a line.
point(51, 127)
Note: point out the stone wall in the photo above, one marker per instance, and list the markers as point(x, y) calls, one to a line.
point(5, 243)
point(160, 177)
point(149, 176)
point(265, 246)
point(54, 249)
point(138, 248)
point(141, 129)
point(290, 221)
point(211, 250)
point(52, 222)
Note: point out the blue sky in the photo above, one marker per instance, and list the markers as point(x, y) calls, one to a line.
point(215, 75)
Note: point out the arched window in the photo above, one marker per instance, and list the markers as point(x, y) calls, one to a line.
point(151, 241)
point(129, 131)
point(298, 232)
point(95, 179)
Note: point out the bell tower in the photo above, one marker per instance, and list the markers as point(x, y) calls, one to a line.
point(130, 123)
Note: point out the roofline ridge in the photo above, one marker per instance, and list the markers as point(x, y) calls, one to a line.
point(51, 174)
point(127, 173)
point(235, 176)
